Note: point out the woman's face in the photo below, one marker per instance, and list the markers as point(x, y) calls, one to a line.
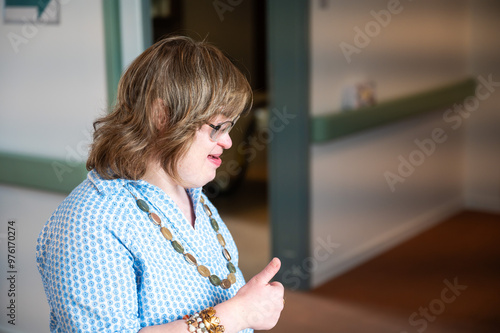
point(200, 163)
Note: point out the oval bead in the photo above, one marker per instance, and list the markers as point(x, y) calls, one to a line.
point(166, 233)
point(226, 254)
point(177, 246)
point(207, 210)
point(225, 284)
point(214, 279)
point(205, 272)
point(214, 223)
point(231, 267)
point(143, 205)
point(221, 239)
point(190, 258)
point(155, 218)
point(232, 278)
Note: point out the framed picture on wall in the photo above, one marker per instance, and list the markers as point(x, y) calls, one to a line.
point(31, 11)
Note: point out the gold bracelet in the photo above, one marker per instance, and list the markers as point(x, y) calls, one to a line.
point(204, 322)
point(211, 322)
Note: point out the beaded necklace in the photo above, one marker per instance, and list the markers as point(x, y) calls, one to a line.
point(190, 259)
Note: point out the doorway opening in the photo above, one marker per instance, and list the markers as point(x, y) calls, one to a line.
point(240, 188)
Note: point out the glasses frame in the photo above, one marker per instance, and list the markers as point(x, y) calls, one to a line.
point(216, 128)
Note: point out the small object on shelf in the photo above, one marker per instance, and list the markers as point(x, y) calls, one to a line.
point(357, 95)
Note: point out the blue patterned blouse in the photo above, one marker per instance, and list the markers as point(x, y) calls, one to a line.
point(106, 267)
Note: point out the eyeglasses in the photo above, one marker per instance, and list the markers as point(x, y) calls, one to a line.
point(222, 128)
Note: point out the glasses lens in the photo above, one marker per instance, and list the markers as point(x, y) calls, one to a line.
point(224, 128)
point(221, 129)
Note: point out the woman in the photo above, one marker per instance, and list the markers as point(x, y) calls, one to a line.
point(137, 245)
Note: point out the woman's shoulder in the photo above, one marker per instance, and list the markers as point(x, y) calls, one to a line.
point(95, 199)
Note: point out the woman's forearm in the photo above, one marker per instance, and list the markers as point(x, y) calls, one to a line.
point(228, 312)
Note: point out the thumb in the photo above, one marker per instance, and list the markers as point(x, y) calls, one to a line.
point(268, 272)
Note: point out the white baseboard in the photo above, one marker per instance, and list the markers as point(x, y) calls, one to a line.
point(385, 241)
point(482, 203)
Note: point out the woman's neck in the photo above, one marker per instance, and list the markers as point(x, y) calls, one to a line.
point(156, 175)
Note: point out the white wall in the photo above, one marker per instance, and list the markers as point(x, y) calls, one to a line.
point(53, 83)
point(52, 86)
point(422, 46)
point(482, 181)
point(425, 44)
point(29, 209)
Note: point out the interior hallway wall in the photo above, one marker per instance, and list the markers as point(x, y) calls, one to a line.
point(29, 210)
point(418, 46)
point(53, 82)
point(52, 86)
point(482, 177)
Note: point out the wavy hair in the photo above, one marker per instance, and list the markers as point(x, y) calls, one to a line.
point(164, 97)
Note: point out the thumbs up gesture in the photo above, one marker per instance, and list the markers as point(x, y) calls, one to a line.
point(261, 301)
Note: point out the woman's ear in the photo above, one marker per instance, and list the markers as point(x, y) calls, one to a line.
point(159, 114)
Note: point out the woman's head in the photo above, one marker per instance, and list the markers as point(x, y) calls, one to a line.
point(166, 94)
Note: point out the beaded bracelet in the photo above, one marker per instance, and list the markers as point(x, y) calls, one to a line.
point(204, 322)
point(195, 323)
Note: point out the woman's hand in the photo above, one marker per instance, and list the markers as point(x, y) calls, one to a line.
point(260, 301)
point(256, 305)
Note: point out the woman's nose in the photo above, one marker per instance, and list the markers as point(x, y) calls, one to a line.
point(225, 141)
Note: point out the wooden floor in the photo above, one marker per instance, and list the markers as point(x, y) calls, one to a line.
point(444, 280)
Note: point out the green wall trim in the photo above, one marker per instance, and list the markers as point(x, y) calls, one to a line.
point(147, 24)
point(113, 52)
point(333, 126)
point(288, 150)
point(56, 174)
point(41, 172)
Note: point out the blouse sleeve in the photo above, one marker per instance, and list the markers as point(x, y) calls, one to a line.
point(89, 277)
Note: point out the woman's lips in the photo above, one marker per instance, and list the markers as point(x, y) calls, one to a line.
point(215, 159)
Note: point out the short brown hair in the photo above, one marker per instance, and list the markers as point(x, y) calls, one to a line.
point(164, 97)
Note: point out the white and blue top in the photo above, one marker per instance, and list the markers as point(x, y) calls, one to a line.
point(106, 267)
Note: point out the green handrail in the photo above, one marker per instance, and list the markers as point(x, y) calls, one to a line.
point(334, 126)
point(41, 172)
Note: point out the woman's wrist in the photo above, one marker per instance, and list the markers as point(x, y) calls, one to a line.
point(231, 315)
